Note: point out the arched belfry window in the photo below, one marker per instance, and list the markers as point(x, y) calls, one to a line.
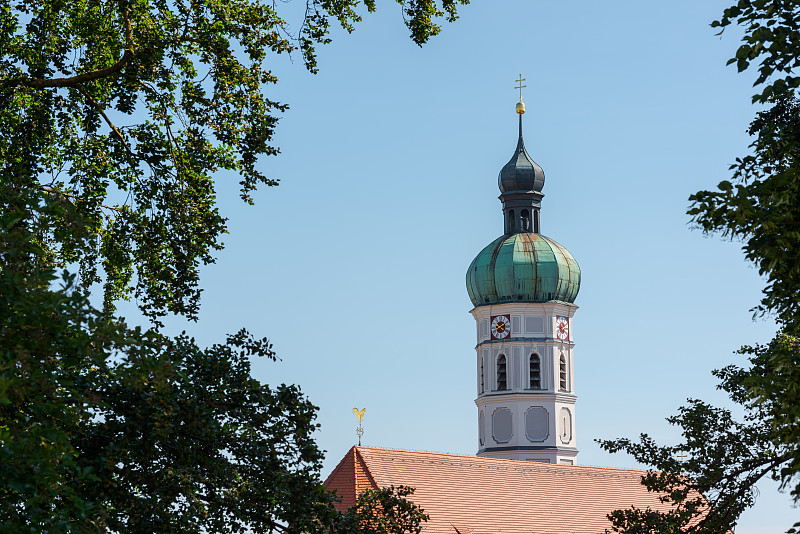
point(536, 221)
point(526, 221)
point(510, 221)
point(502, 382)
point(535, 372)
point(562, 372)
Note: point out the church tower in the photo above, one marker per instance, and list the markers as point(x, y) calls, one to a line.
point(523, 286)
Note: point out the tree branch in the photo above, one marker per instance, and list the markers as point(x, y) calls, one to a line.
point(102, 113)
point(75, 81)
point(172, 143)
point(740, 493)
point(69, 196)
point(745, 467)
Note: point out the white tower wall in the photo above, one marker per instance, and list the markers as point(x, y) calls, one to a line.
point(521, 422)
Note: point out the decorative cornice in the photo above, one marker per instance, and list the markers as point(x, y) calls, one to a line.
point(547, 340)
point(550, 305)
point(515, 395)
point(542, 448)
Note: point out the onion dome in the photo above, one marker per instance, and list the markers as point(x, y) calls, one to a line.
point(521, 173)
point(523, 267)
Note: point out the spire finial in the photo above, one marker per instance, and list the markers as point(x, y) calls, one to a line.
point(360, 416)
point(520, 104)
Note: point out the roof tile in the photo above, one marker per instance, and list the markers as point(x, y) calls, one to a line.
point(480, 495)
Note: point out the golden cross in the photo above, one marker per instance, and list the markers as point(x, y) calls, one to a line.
point(520, 86)
point(682, 456)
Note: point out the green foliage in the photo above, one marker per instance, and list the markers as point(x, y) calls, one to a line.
point(189, 442)
point(114, 119)
point(771, 389)
point(384, 511)
point(724, 457)
point(53, 346)
point(772, 36)
point(105, 428)
point(760, 206)
point(123, 111)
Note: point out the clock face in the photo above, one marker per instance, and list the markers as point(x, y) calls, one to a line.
point(562, 328)
point(501, 326)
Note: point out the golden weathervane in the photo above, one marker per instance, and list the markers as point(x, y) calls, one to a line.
point(360, 416)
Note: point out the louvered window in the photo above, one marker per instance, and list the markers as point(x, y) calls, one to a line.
point(535, 372)
point(501, 373)
point(563, 373)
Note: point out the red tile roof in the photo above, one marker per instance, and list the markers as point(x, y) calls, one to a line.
point(350, 478)
point(493, 496)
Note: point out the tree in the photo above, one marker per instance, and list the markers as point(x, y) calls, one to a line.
point(772, 35)
point(110, 429)
point(760, 206)
point(725, 457)
point(114, 118)
point(121, 112)
point(384, 511)
point(51, 347)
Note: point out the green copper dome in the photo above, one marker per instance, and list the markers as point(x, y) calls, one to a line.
point(523, 267)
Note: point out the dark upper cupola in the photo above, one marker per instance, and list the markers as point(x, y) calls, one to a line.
point(521, 181)
point(521, 173)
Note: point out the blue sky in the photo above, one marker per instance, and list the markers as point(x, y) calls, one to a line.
point(354, 266)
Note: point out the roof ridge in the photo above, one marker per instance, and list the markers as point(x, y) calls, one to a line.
point(518, 464)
